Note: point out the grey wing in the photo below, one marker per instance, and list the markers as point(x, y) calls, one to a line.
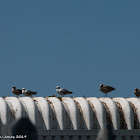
point(64, 91)
point(29, 92)
point(109, 87)
point(19, 91)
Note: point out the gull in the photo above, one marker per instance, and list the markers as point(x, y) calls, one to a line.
point(62, 91)
point(137, 92)
point(16, 91)
point(28, 92)
point(106, 89)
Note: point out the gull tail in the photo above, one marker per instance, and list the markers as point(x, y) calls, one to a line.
point(34, 93)
point(113, 89)
point(70, 92)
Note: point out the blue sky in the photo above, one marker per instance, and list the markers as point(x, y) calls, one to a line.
point(74, 44)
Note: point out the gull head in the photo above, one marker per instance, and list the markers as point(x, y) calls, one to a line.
point(23, 89)
point(101, 85)
point(57, 87)
point(13, 87)
point(136, 89)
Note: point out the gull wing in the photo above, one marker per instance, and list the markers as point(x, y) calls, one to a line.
point(65, 91)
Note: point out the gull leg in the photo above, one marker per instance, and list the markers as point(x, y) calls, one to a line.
point(105, 94)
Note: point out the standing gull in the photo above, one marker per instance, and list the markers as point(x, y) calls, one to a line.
point(106, 89)
point(16, 91)
point(137, 92)
point(62, 91)
point(28, 92)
